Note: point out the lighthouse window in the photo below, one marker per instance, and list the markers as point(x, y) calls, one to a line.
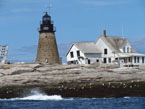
point(47, 18)
point(46, 28)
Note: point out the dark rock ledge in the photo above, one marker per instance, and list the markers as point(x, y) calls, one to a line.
point(132, 89)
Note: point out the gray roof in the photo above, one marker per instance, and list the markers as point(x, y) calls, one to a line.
point(114, 42)
point(87, 47)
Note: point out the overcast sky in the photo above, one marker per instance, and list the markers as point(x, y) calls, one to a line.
point(75, 20)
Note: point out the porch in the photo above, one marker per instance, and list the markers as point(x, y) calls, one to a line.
point(132, 59)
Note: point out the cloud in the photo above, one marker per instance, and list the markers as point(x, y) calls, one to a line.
point(104, 3)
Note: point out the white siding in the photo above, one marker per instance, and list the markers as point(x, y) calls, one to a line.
point(101, 45)
point(74, 49)
point(94, 57)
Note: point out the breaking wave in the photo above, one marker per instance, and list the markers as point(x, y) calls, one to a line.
point(41, 97)
point(35, 95)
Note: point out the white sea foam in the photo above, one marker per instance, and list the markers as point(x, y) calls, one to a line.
point(126, 97)
point(36, 95)
point(42, 97)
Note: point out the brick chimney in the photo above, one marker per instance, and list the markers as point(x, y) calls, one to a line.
point(104, 33)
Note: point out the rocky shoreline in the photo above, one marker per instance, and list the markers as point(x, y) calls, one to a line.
point(89, 81)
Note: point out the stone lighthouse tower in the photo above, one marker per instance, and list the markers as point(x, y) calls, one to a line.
point(47, 51)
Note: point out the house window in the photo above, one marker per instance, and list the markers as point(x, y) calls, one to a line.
point(127, 49)
point(124, 49)
point(105, 61)
point(2, 53)
point(135, 59)
point(4, 48)
point(138, 59)
point(129, 59)
point(125, 60)
point(116, 59)
point(105, 51)
point(109, 60)
point(71, 54)
point(78, 53)
point(89, 61)
point(142, 59)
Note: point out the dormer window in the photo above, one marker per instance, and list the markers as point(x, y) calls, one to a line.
point(127, 49)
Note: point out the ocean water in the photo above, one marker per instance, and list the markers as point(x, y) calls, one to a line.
point(43, 101)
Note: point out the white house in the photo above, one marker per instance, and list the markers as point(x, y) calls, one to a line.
point(107, 49)
point(118, 48)
point(83, 53)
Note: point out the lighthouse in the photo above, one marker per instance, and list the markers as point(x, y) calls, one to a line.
point(47, 51)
